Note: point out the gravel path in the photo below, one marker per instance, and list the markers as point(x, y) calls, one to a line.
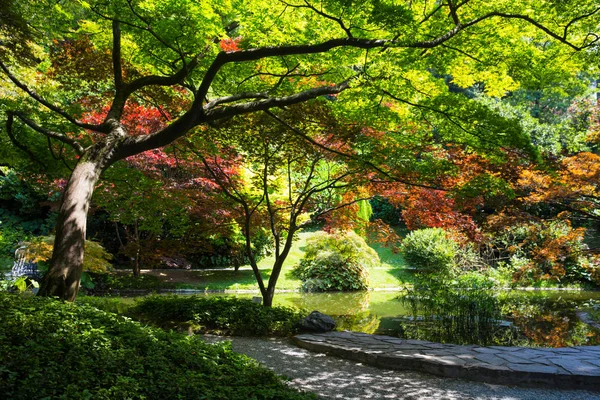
point(335, 378)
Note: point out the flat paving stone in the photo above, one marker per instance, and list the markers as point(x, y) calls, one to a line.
point(491, 359)
point(569, 367)
point(515, 359)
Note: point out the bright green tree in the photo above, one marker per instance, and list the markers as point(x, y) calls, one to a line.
point(280, 176)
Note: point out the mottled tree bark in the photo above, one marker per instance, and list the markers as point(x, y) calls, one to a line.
point(62, 279)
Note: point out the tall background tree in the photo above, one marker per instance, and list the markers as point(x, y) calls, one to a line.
point(381, 63)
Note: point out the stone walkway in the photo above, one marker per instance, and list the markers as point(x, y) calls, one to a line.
point(565, 368)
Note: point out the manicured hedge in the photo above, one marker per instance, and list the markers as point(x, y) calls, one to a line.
point(55, 350)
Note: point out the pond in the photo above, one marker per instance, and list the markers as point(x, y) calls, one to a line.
point(509, 318)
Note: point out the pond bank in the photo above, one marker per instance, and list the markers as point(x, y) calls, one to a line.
point(565, 368)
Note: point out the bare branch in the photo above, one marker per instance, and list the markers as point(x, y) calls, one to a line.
point(116, 54)
point(347, 156)
point(580, 17)
point(46, 132)
point(340, 206)
point(13, 139)
point(322, 14)
point(431, 14)
point(460, 27)
point(462, 52)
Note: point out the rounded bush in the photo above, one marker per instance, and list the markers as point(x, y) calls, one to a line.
point(430, 250)
point(336, 262)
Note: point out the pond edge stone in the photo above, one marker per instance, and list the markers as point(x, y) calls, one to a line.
point(557, 368)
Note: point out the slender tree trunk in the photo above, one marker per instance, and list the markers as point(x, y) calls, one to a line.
point(268, 297)
point(62, 279)
point(136, 262)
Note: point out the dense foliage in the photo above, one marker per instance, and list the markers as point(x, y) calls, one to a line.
point(55, 350)
point(415, 91)
point(25, 212)
point(338, 261)
point(430, 250)
point(545, 251)
point(96, 259)
point(222, 315)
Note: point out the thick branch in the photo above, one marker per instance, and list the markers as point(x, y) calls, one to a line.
point(116, 55)
point(261, 105)
point(257, 54)
point(127, 89)
point(235, 97)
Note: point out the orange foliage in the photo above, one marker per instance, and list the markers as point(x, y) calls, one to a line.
point(575, 186)
point(428, 208)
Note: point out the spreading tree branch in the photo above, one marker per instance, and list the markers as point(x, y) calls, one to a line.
point(17, 144)
point(47, 104)
point(48, 133)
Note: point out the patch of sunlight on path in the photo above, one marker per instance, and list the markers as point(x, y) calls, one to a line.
point(335, 378)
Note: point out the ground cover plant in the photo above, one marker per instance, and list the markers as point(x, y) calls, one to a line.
point(55, 350)
point(223, 315)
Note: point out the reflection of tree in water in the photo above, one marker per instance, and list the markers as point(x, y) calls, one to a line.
point(488, 318)
point(349, 309)
point(455, 316)
point(361, 322)
point(550, 322)
point(347, 303)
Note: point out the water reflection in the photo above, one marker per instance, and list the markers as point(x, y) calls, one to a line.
point(512, 318)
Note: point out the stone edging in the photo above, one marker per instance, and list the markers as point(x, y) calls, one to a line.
point(561, 368)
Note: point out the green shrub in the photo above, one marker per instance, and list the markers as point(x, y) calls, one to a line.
point(55, 350)
point(336, 262)
point(430, 250)
point(461, 316)
point(113, 283)
point(225, 315)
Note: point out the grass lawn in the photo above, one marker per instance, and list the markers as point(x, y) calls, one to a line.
point(392, 272)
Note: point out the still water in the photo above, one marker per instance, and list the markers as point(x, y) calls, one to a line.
point(510, 318)
point(514, 318)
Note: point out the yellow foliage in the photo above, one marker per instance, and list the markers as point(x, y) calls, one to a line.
point(96, 258)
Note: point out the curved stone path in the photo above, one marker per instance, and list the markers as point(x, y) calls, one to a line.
point(565, 368)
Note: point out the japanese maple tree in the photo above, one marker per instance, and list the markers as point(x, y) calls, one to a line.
point(227, 58)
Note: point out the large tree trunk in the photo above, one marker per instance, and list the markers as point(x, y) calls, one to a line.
point(66, 265)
